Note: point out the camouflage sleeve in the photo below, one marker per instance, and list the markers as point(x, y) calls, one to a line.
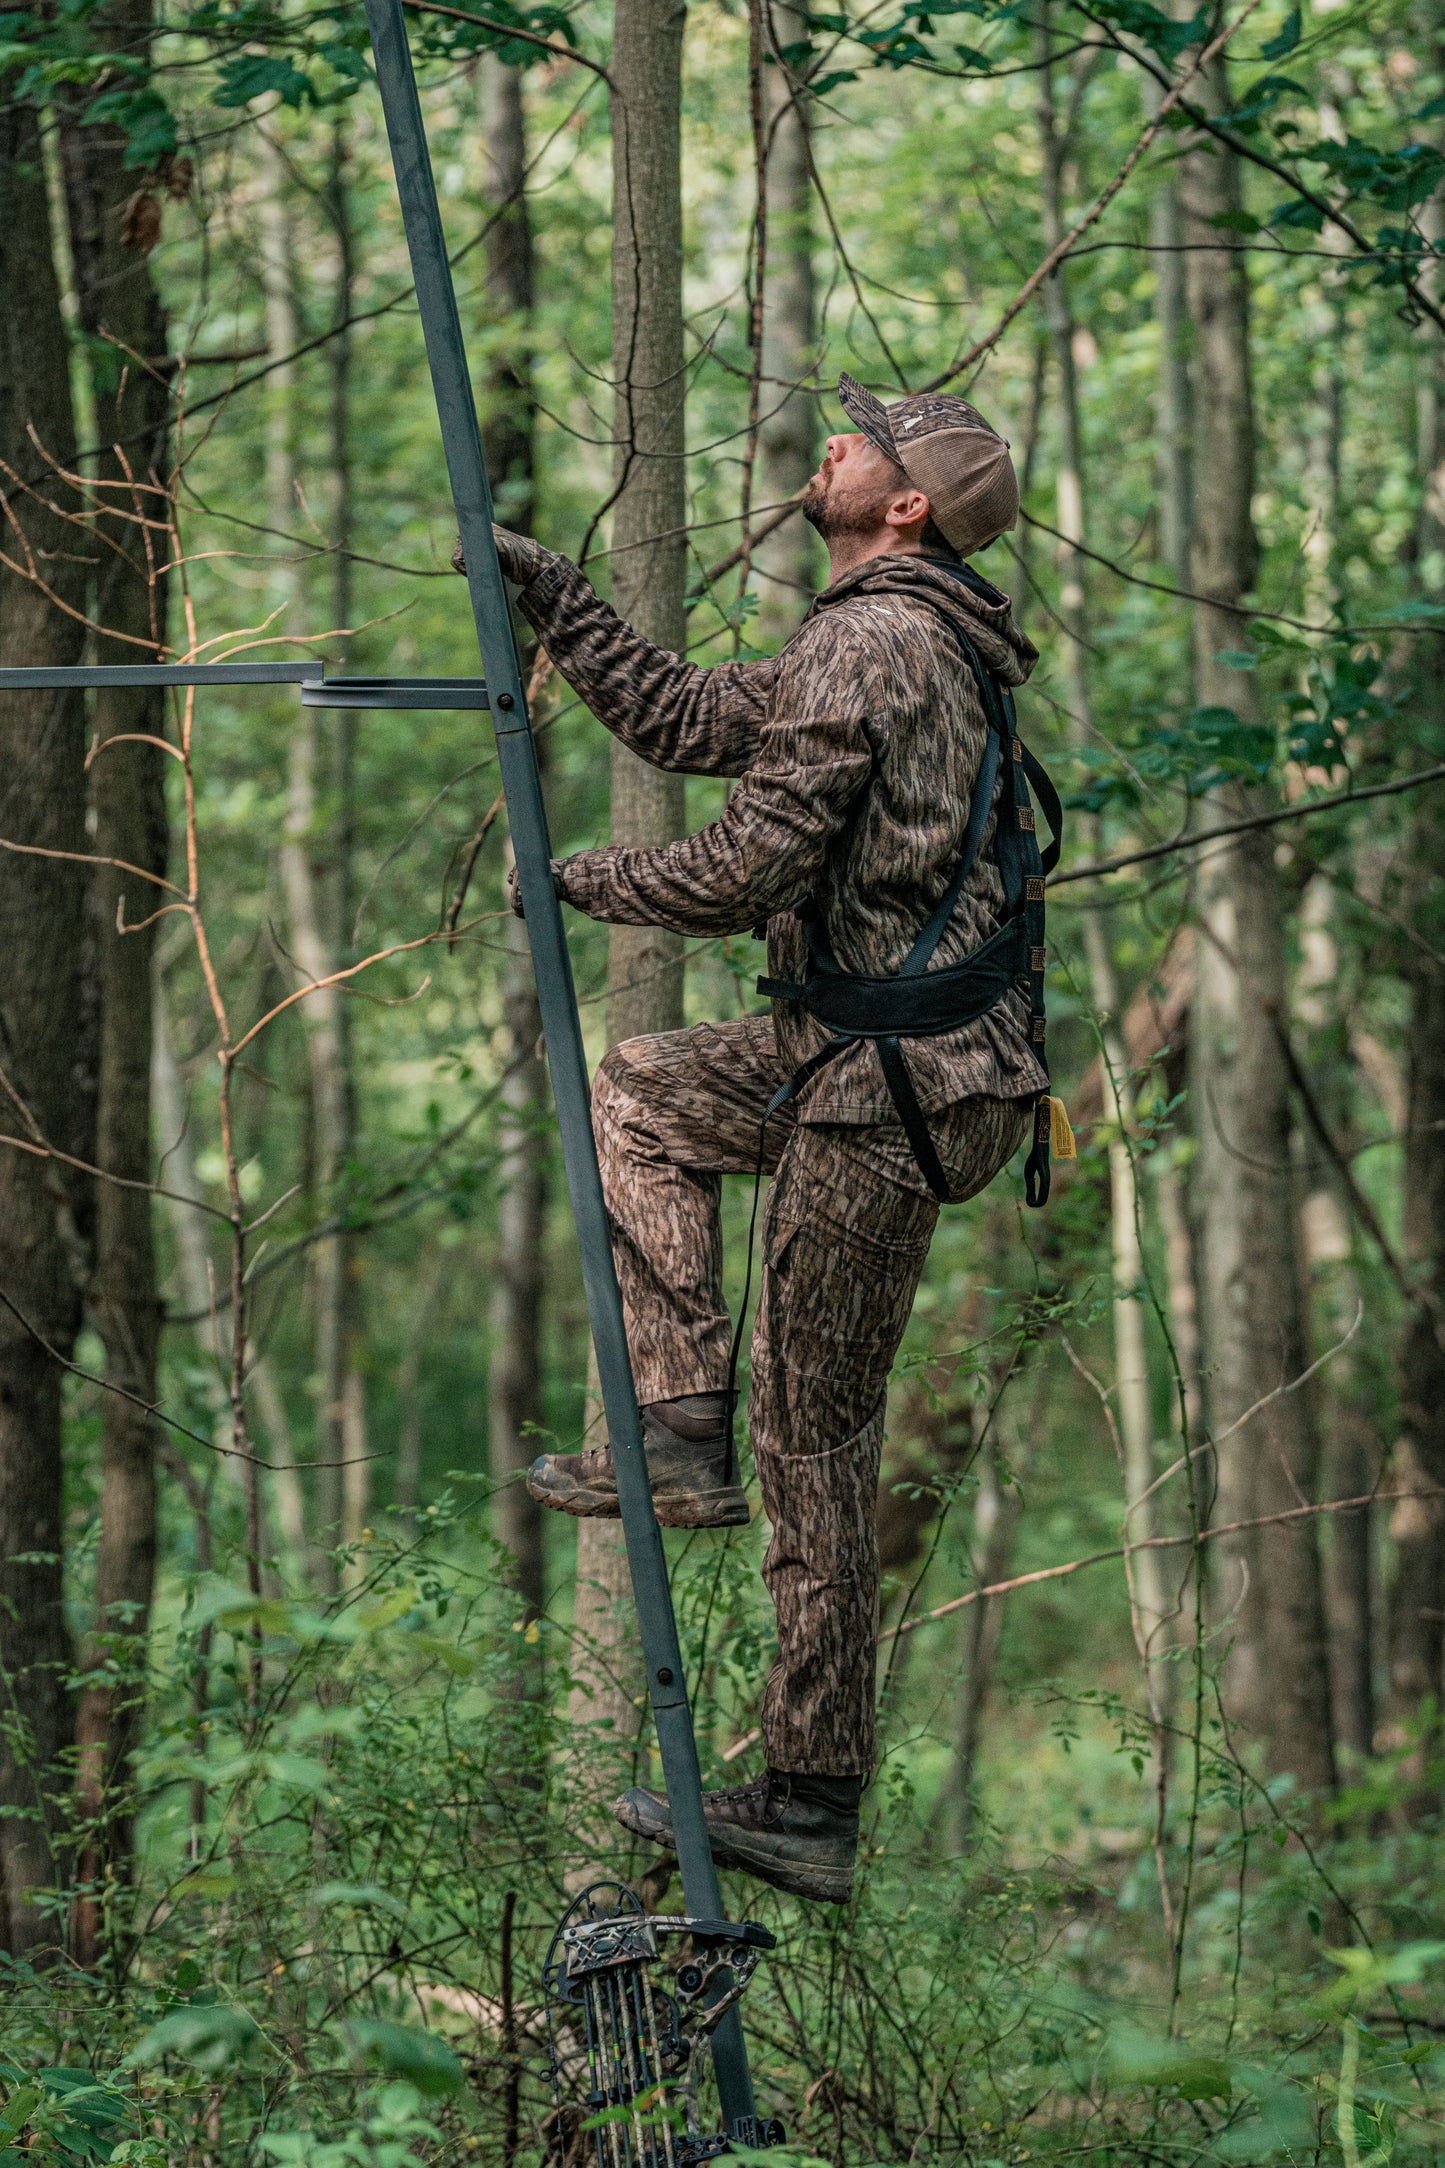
point(670, 712)
point(813, 759)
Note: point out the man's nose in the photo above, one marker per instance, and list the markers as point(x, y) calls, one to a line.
point(836, 447)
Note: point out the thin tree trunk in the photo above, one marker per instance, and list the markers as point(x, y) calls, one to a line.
point(121, 315)
point(514, 1377)
point(356, 1473)
point(645, 967)
point(1182, 1281)
point(174, 1133)
point(995, 1525)
point(1416, 1688)
point(1350, 1457)
point(422, 1324)
point(1173, 406)
point(1131, 1397)
point(1415, 1694)
point(1417, 1524)
point(787, 561)
point(43, 1263)
point(1351, 1470)
point(1251, 1311)
point(342, 1470)
point(509, 424)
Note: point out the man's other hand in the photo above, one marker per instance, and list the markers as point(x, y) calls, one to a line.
point(514, 887)
point(520, 557)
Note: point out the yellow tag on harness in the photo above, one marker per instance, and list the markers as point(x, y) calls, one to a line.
point(1061, 1135)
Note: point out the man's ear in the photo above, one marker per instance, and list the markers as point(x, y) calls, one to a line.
point(910, 508)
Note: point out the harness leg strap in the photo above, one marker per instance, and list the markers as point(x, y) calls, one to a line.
point(910, 1113)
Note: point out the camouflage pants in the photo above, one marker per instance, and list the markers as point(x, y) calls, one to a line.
point(846, 1235)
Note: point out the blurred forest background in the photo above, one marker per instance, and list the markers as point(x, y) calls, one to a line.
point(308, 1725)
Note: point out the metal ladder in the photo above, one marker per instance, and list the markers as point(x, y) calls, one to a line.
point(466, 466)
point(502, 691)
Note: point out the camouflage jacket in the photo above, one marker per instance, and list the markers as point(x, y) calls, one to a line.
point(856, 751)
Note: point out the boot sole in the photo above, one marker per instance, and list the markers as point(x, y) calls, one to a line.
point(720, 1509)
point(769, 1858)
point(585, 1504)
point(711, 1509)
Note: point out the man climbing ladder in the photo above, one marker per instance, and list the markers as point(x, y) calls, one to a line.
point(861, 753)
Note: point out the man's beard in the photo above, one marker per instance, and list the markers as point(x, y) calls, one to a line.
point(832, 512)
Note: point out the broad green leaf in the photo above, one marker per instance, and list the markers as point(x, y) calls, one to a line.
point(1285, 39)
point(369, 1894)
point(210, 2038)
point(402, 2051)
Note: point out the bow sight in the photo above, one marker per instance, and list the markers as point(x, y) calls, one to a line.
point(633, 2000)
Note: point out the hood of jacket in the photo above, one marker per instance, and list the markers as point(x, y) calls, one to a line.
point(979, 608)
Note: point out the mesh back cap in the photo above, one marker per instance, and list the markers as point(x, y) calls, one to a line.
point(948, 450)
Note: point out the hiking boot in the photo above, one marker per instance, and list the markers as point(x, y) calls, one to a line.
point(798, 1832)
point(690, 1464)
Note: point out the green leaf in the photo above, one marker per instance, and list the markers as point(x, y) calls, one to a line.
point(210, 2038)
point(1285, 39)
point(1152, 27)
point(147, 121)
point(258, 75)
point(1138, 2060)
point(1237, 658)
point(361, 1893)
point(1295, 214)
point(445, 1653)
point(1412, 613)
point(19, 2108)
point(403, 2052)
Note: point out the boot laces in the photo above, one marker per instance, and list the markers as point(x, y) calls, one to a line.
point(761, 1795)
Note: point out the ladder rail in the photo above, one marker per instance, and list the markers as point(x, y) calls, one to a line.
point(531, 843)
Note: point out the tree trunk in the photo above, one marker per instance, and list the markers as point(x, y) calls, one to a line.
point(514, 1375)
point(509, 420)
point(1131, 1396)
point(787, 561)
point(1173, 406)
point(427, 1311)
point(120, 313)
point(995, 1525)
point(42, 1260)
point(644, 969)
point(514, 1378)
point(342, 1469)
point(193, 1272)
point(1251, 1313)
point(356, 1473)
point(1350, 1456)
point(1417, 1525)
point(1415, 1693)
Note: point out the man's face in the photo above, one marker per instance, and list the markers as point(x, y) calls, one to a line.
point(852, 489)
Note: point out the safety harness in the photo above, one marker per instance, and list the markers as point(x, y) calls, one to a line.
point(916, 1003)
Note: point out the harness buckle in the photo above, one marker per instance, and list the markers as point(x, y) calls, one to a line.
point(1033, 888)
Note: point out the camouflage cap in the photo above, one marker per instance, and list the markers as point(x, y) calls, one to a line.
point(948, 450)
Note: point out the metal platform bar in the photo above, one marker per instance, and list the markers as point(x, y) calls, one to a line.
point(461, 439)
point(317, 691)
point(162, 673)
